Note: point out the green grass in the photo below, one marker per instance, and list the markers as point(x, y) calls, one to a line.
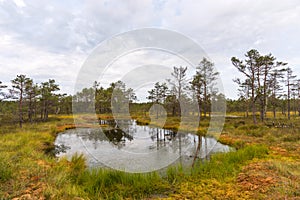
point(26, 167)
point(70, 179)
point(100, 183)
point(222, 166)
point(5, 170)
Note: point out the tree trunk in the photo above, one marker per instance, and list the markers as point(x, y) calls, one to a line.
point(247, 108)
point(253, 107)
point(262, 112)
point(289, 102)
point(197, 150)
point(20, 109)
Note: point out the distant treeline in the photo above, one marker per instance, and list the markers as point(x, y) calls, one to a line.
point(27, 101)
point(179, 95)
point(265, 85)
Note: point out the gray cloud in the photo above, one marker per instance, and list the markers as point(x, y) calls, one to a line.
point(51, 39)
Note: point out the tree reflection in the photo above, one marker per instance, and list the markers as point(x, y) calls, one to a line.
point(119, 132)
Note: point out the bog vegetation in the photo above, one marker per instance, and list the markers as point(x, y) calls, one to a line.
point(263, 126)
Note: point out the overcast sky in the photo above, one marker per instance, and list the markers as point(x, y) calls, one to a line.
point(52, 39)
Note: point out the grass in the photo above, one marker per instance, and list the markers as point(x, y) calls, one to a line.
point(99, 183)
point(266, 165)
point(222, 166)
point(71, 179)
point(5, 170)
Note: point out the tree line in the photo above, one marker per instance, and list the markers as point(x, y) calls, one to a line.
point(198, 91)
point(179, 93)
point(266, 85)
point(27, 101)
point(103, 100)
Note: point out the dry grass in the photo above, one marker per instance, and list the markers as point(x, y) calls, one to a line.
point(27, 171)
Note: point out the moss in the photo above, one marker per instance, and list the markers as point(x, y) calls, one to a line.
point(26, 167)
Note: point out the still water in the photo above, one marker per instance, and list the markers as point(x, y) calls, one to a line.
point(131, 147)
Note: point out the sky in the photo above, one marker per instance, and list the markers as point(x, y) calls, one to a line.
point(52, 39)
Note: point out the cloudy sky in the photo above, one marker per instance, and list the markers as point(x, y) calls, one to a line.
point(52, 39)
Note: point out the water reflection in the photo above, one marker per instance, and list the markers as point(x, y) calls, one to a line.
point(145, 147)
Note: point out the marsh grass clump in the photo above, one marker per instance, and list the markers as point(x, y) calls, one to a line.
point(291, 137)
point(72, 176)
point(239, 123)
point(175, 174)
point(77, 166)
point(238, 144)
point(5, 170)
point(222, 166)
point(105, 183)
point(252, 130)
